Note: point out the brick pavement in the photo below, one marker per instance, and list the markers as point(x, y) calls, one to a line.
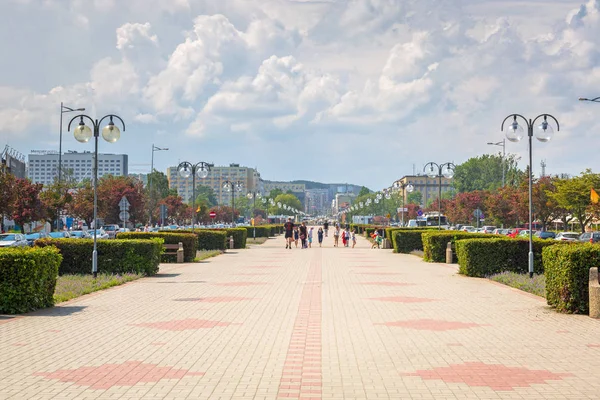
point(330, 323)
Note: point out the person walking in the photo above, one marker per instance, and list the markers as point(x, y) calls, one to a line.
point(326, 227)
point(310, 237)
point(336, 236)
point(303, 235)
point(353, 237)
point(296, 236)
point(289, 233)
point(320, 234)
point(346, 237)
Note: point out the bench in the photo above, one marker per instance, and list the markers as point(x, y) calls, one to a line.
point(174, 249)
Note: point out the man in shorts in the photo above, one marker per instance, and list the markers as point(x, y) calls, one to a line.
point(289, 233)
point(326, 227)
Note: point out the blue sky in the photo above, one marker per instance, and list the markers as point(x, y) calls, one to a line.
point(335, 91)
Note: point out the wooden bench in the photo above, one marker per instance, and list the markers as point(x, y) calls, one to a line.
point(174, 249)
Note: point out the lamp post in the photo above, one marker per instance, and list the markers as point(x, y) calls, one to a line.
point(63, 110)
point(405, 187)
point(503, 144)
point(443, 170)
point(83, 134)
point(544, 134)
point(595, 100)
point(233, 186)
point(186, 169)
point(154, 148)
point(266, 202)
point(253, 195)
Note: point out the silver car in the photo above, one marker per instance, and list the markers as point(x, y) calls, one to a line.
point(12, 240)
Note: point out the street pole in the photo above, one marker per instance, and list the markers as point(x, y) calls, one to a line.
point(530, 134)
point(440, 202)
point(193, 200)
point(232, 205)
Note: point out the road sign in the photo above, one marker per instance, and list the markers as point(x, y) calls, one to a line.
point(212, 214)
point(478, 214)
point(124, 215)
point(420, 213)
point(388, 216)
point(124, 203)
point(402, 209)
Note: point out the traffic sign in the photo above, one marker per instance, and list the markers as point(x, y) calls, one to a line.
point(388, 215)
point(420, 213)
point(402, 209)
point(124, 203)
point(124, 215)
point(478, 214)
point(212, 214)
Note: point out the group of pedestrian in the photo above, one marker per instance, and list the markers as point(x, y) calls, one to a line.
point(303, 234)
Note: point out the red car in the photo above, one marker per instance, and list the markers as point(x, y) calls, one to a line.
point(515, 232)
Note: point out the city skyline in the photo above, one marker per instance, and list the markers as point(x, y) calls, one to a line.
point(294, 89)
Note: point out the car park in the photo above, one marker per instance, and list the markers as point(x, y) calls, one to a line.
point(524, 233)
point(590, 237)
point(567, 236)
point(545, 235)
point(468, 228)
point(79, 234)
point(515, 232)
point(111, 230)
point(100, 234)
point(59, 235)
point(488, 229)
point(32, 237)
point(12, 240)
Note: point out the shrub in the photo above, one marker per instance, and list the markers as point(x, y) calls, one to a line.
point(210, 239)
point(115, 256)
point(567, 275)
point(485, 257)
point(407, 240)
point(27, 278)
point(435, 242)
point(239, 236)
point(189, 240)
point(261, 231)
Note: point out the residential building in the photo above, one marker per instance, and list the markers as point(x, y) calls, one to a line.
point(284, 186)
point(427, 186)
point(248, 177)
point(42, 166)
point(316, 201)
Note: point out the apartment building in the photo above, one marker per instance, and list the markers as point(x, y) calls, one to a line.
point(428, 187)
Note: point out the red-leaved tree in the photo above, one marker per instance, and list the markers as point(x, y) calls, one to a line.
point(27, 206)
point(110, 191)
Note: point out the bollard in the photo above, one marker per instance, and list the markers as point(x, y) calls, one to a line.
point(594, 293)
point(231, 242)
point(449, 253)
point(180, 253)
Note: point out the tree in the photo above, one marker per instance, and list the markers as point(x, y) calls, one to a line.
point(460, 209)
point(485, 173)
point(82, 203)
point(27, 206)
point(545, 207)
point(506, 206)
point(175, 208)
point(290, 200)
point(363, 191)
point(224, 214)
point(7, 195)
point(206, 194)
point(156, 190)
point(275, 192)
point(55, 199)
point(574, 196)
point(110, 191)
point(414, 198)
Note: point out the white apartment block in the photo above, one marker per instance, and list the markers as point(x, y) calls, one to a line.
point(249, 178)
point(316, 201)
point(42, 166)
point(284, 186)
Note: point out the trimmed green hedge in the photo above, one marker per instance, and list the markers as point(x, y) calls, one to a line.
point(115, 256)
point(261, 231)
point(485, 257)
point(189, 240)
point(567, 271)
point(209, 239)
point(407, 240)
point(239, 236)
point(27, 278)
point(435, 242)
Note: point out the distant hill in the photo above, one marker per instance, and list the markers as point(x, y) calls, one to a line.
point(312, 185)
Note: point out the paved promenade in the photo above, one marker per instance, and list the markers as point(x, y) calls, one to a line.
point(330, 323)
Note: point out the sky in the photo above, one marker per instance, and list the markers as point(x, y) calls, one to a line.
point(357, 91)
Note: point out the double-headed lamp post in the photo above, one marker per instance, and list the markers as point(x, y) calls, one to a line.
point(186, 169)
point(595, 100)
point(253, 195)
point(544, 134)
point(232, 187)
point(83, 134)
point(443, 170)
point(404, 187)
point(503, 145)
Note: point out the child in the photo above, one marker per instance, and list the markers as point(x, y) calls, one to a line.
point(353, 238)
point(310, 236)
point(344, 240)
point(375, 237)
point(296, 235)
point(320, 236)
point(347, 237)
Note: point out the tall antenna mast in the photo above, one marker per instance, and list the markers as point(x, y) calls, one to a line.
point(543, 164)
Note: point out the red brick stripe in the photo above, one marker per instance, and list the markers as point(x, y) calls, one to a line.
point(302, 370)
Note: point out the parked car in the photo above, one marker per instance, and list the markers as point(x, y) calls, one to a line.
point(32, 237)
point(111, 230)
point(468, 228)
point(545, 235)
point(488, 229)
point(500, 231)
point(100, 234)
point(591, 237)
point(568, 236)
point(80, 234)
point(524, 233)
point(516, 231)
point(59, 235)
point(12, 240)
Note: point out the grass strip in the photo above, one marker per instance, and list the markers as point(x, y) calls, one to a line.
point(71, 286)
point(204, 254)
point(258, 240)
point(535, 285)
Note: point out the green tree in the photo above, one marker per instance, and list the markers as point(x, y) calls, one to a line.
point(7, 195)
point(574, 196)
point(275, 192)
point(55, 198)
point(414, 198)
point(485, 173)
point(364, 191)
point(206, 194)
point(288, 199)
point(27, 206)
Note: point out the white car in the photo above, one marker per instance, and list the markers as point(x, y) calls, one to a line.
point(567, 236)
point(468, 228)
point(12, 240)
point(100, 234)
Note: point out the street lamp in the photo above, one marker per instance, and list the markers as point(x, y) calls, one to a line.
point(544, 134)
point(83, 134)
point(233, 186)
point(595, 100)
point(154, 148)
point(186, 169)
point(405, 187)
point(503, 144)
point(443, 170)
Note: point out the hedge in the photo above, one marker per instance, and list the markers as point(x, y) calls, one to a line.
point(435, 242)
point(567, 271)
point(407, 240)
point(209, 239)
point(115, 256)
point(261, 231)
point(189, 240)
point(485, 257)
point(27, 278)
point(239, 236)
